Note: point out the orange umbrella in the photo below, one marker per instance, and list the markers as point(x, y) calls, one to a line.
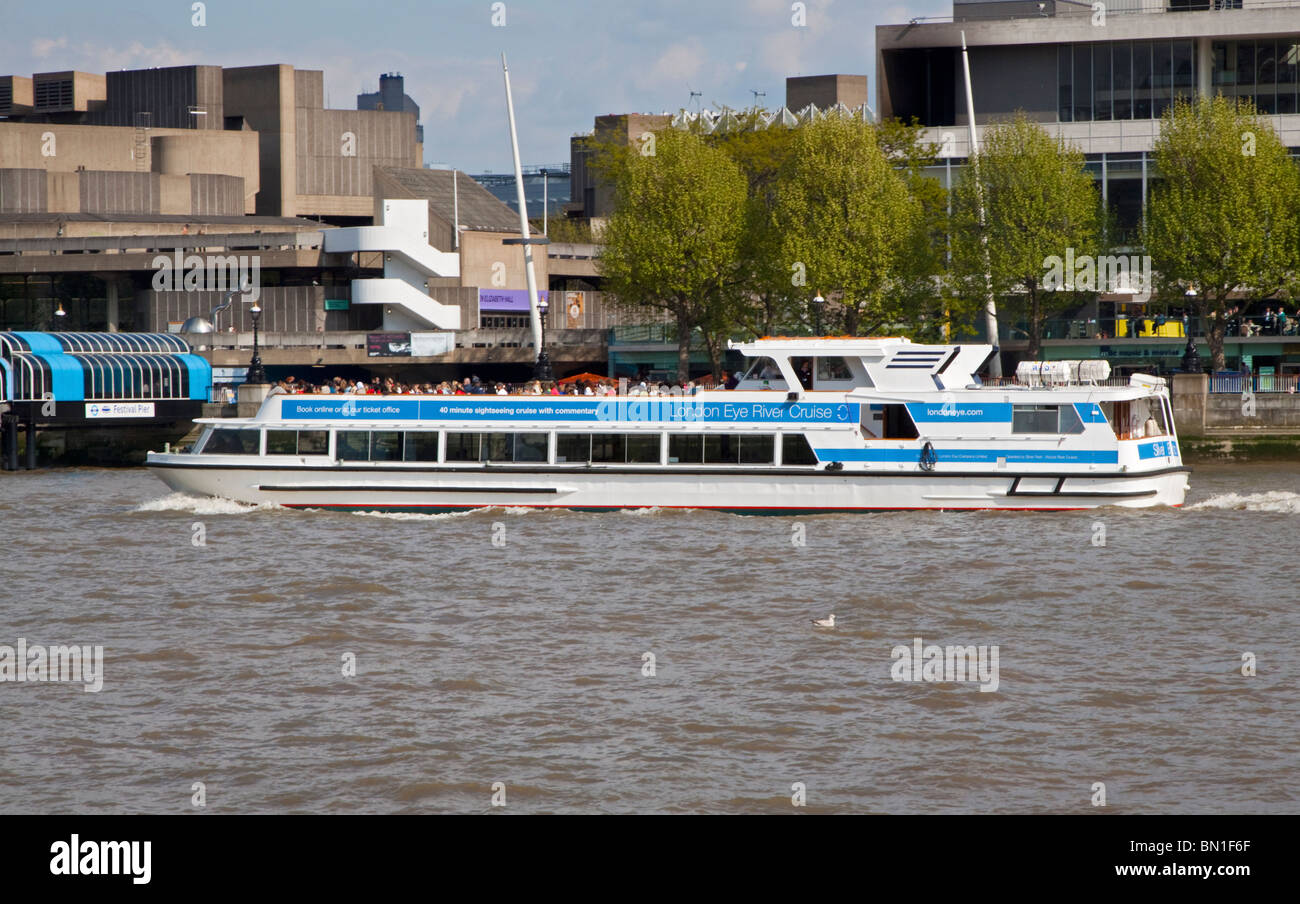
point(590, 378)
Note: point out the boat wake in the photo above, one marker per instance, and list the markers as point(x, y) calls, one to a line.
point(421, 516)
point(204, 505)
point(1282, 501)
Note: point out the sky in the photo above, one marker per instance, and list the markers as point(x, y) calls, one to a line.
point(570, 60)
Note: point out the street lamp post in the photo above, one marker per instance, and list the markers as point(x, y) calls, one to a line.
point(1191, 359)
point(542, 369)
point(818, 301)
point(256, 373)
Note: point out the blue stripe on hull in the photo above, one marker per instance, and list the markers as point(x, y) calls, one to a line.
point(983, 456)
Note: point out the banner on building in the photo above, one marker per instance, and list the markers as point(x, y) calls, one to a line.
point(573, 309)
point(506, 300)
point(388, 345)
point(428, 345)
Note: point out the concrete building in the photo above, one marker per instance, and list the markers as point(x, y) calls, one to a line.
point(172, 141)
point(825, 91)
point(392, 96)
point(590, 197)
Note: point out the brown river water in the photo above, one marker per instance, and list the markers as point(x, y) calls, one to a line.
point(509, 646)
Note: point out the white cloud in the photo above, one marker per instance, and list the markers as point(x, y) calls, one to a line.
point(43, 47)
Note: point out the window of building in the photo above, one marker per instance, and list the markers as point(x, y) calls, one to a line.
point(1140, 79)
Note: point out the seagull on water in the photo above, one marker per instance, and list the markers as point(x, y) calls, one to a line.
point(828, 622)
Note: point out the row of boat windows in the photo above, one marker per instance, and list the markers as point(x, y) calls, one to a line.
point(521, 448)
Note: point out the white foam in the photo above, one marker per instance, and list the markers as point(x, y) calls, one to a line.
point(420, 516)
point(1282, 501)
point(203, 505)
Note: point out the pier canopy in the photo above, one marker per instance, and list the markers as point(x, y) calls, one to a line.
point(102, 367)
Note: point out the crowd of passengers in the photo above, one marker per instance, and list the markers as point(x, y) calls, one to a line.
point(475, 386)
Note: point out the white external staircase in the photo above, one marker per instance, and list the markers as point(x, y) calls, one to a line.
point(409, 261)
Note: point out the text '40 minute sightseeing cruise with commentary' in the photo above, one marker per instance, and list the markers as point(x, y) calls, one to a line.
point(873, 424)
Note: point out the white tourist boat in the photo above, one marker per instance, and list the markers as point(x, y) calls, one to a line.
point(816, 425)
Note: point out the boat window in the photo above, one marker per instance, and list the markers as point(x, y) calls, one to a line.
point(297, 442)
point(835, 368)
point(352, 445)
point(643, 448)
point(496, 447)
point(1070, 420)
point(870, 421)
point(795, 450)
point(1034, 418)
point(421, 445)
point(607, 448)
point(386, 445)
point(763, 369)
point(1148, 418)
point(721, 448)
point(572, 447)
point(898, 422)
point(462, 446)
point(531, 446)
point(1045, 419)
point(313, 442)
point(685, 448)
point(757, 449)
point(233, 441)
point(282, 442)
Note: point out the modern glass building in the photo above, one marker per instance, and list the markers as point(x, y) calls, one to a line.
point(1100, 80)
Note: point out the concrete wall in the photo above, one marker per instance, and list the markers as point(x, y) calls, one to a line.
point(265, 97)
point(167, 94)
point(1196, 410)
point(826, 91)
point(480, 251)
point(287, 309)
point(331, 184)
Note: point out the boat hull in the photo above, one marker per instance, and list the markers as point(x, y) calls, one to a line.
point(734, 490)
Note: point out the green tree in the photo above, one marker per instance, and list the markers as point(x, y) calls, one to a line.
point(1223, 214)
point(925, 312)
point(1039, 202)
point(672, 239)
point(767, 296)
point(846, 214)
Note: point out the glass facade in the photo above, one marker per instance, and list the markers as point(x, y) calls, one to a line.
point(1123, 79)
point(1262, 71)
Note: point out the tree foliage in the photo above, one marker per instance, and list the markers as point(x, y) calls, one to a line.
point(1222, 217)
point(846, 214)
point(672, 241)
point(1039, 201)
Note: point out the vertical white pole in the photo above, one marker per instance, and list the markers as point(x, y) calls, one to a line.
point(455, 211)
point(990, 305)
point(529, 272)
